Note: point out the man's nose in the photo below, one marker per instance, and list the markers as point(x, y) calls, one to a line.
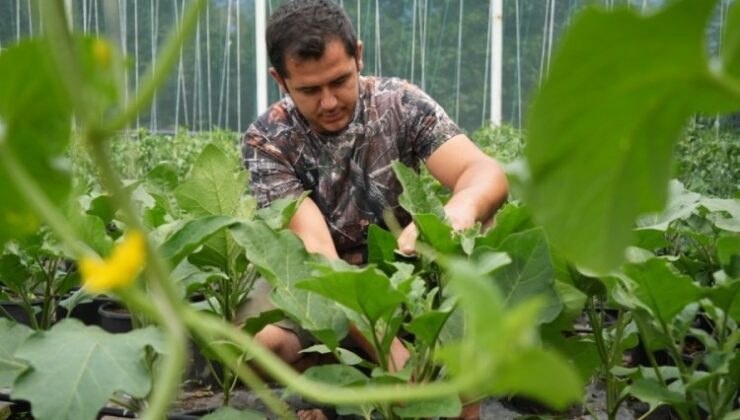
point(328, 99)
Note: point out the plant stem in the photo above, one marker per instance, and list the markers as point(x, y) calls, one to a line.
point(168, 378)
point(38, 201)
point(608, 358)
point(321, 392)
point(252, 380)
point(612, 390)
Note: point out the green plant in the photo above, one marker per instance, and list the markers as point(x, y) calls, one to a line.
point(615, 140)
point(707, 161)
point(503, 142)
point(87, 85)
point(486, 308)
point(36, 275)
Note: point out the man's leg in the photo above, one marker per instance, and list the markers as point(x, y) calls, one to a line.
point(287, 346)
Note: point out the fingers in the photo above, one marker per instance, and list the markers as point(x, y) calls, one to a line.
point(399, 355)
point(407, 240)
point(311, 414)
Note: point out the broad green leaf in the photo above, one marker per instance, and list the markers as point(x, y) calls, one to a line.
point(726, 213)
point(511, 218)
point(416, 198)
point(727, 298)
point(488, 261)
point(90, 229)
point(734, 415)
point(367, 291)
point(728, 252)
point(500, 344)
point(13, 273)
point(228, 413)
point(35, 118)
point(192, 235)
point(13, 334)
point(346, 357)
point(542, 375)
point(731, 42)
point(653, 393)
point(437, 233)
point(530, 273)
point(681, 203)
point(163, 176)
point(337, 375)
point(381, 245)
point(279, 213)
point(281, 258)
point(454, 329)
point(573, 301)
point(253, 325)
point(603, 126)
point(662, 290)
point(192, 282)
point(581, 351)
point(102, 206)
point(449, 406)
point(428, 325)
point(215, 187)
point(75, 369)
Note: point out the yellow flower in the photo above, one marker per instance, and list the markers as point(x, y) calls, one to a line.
point(101, 52)
point(119, 269)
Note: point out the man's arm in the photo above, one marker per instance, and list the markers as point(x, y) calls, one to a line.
point(309, 224)
point(477, 181)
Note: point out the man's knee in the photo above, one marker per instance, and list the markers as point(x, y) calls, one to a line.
point(283, 342)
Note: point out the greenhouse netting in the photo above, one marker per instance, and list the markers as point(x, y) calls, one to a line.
point(444, 46)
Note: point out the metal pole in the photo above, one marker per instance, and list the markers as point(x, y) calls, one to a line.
point(496, 60)
point(261, 50)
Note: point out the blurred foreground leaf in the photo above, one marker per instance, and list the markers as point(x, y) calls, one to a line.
point(604, 124)
point(75, 369)
point(35, 121)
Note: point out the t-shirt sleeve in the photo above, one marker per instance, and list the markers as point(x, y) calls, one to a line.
point(429, 126)
point(271, 176)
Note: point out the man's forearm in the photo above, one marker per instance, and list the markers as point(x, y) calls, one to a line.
point(479, 192)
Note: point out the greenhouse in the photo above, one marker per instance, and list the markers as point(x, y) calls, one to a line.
point(321, 209)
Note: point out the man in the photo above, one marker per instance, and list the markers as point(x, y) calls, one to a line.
point(336, 133)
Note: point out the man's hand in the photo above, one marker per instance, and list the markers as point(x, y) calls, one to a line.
point(459, 216)
point(398, 357)
point(407, 240)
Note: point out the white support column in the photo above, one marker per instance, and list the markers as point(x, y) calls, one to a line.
point(496, 59)
point(68, 10)
point(261, 50)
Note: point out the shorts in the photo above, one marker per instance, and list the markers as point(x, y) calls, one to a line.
point(258, 301)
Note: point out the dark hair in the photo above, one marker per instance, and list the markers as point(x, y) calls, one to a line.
point(301, 28)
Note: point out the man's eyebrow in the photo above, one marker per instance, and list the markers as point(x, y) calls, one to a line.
point(337, 79)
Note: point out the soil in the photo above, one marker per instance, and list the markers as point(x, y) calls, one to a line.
point(201, 399)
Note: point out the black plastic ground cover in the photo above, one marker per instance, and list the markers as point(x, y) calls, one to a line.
point(22, 406)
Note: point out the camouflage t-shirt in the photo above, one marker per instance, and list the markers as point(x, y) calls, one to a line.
point(348, 174)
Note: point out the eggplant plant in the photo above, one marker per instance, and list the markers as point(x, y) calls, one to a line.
point(615, 141)
point(35, 276)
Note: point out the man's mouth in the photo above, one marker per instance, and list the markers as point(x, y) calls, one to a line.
point(332, 117)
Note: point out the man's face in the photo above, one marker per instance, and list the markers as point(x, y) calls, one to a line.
point(326, 90)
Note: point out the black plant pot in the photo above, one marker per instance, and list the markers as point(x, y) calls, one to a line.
point(87, 312)
point(18, 313)
point(114, 318)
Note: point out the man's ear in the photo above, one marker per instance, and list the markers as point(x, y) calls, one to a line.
point(358, 57)
point(279, 79)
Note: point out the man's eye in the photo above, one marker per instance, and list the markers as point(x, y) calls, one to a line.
point(339, 82)
point(308, 91)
